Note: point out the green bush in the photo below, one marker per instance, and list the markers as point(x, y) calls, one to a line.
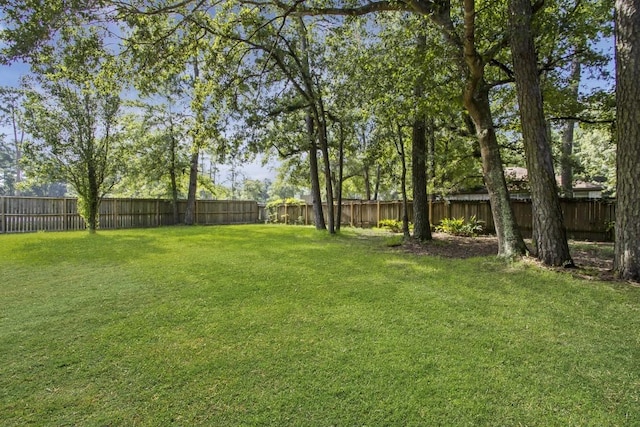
point(272, 210)
point(460, 227)
point(393, 225)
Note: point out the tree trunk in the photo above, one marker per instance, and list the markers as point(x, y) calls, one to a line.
point(92, 198)
point(421, 226)
point(627, 232)
point(174, 197)
point(403, 183)
point(318, 214)
point(510, 242)
point(324, 148)
point(173, 170)
point(377, 186)
point(189, 215)
point(340, 178)
point(566, 166)
point(17, 142)
point(367, 183)
point(549, 235)
point(476, 101)
point(431, 155)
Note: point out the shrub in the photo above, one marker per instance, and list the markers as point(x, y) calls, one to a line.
point(460, 227)
point(393, 225)
point(272, 210)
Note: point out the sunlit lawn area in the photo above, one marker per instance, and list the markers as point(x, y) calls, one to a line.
point(277, 325)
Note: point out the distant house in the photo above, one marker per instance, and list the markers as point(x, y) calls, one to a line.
point(518, 185)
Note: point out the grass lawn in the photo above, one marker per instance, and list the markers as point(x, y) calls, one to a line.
point(286, 326)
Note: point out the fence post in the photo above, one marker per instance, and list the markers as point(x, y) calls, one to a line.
point(286, 217)
point(65, 214)
point(351, 215)
point(3, 227)
point(116, 214)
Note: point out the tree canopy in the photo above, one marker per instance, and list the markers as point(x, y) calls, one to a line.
point(365, 99)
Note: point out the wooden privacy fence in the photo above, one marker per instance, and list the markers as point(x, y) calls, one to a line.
point(29, 214)
point(584, 219)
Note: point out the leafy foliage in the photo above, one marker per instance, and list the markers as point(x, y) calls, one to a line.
point(392, 225)
point(461, 227)
point(294, 217)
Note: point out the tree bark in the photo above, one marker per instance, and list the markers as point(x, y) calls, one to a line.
point(377, 186)
point(510, 242)
point(367, 184)
point(92, 198)
point(189, 215)
point(318, 214)
point(627, 230)
point(173, 171)
point(549, 234)
point(566, 166)
point(324, 149)
point(476, 101)
point(340, 178)
point(403, 183)
point(421, 226)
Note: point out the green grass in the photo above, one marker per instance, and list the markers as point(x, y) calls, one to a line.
point(276, 325)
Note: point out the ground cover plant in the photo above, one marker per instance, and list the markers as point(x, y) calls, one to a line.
point(278, 325)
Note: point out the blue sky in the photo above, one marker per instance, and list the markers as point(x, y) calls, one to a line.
point(10, 74)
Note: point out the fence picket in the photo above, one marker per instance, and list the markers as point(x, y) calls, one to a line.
point(584, 219)
point(29, 214)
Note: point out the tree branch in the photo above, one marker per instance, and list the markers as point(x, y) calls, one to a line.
point(582, 120)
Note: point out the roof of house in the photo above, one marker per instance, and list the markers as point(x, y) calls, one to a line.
point(517, 173)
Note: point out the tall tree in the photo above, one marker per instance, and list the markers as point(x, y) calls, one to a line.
point(566, 152)
point(421, 225)
point(74, 123)
point(627, 232)
point(549, 235)
point(158, 154)
point(11, 116)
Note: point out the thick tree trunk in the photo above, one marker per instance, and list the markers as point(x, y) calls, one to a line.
point(318, 214)
point(627, 239)
point(189, 215)
point(510, 242)
point(566, 164)
point(476, 101)
point(549, 235)
point(421, 226)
